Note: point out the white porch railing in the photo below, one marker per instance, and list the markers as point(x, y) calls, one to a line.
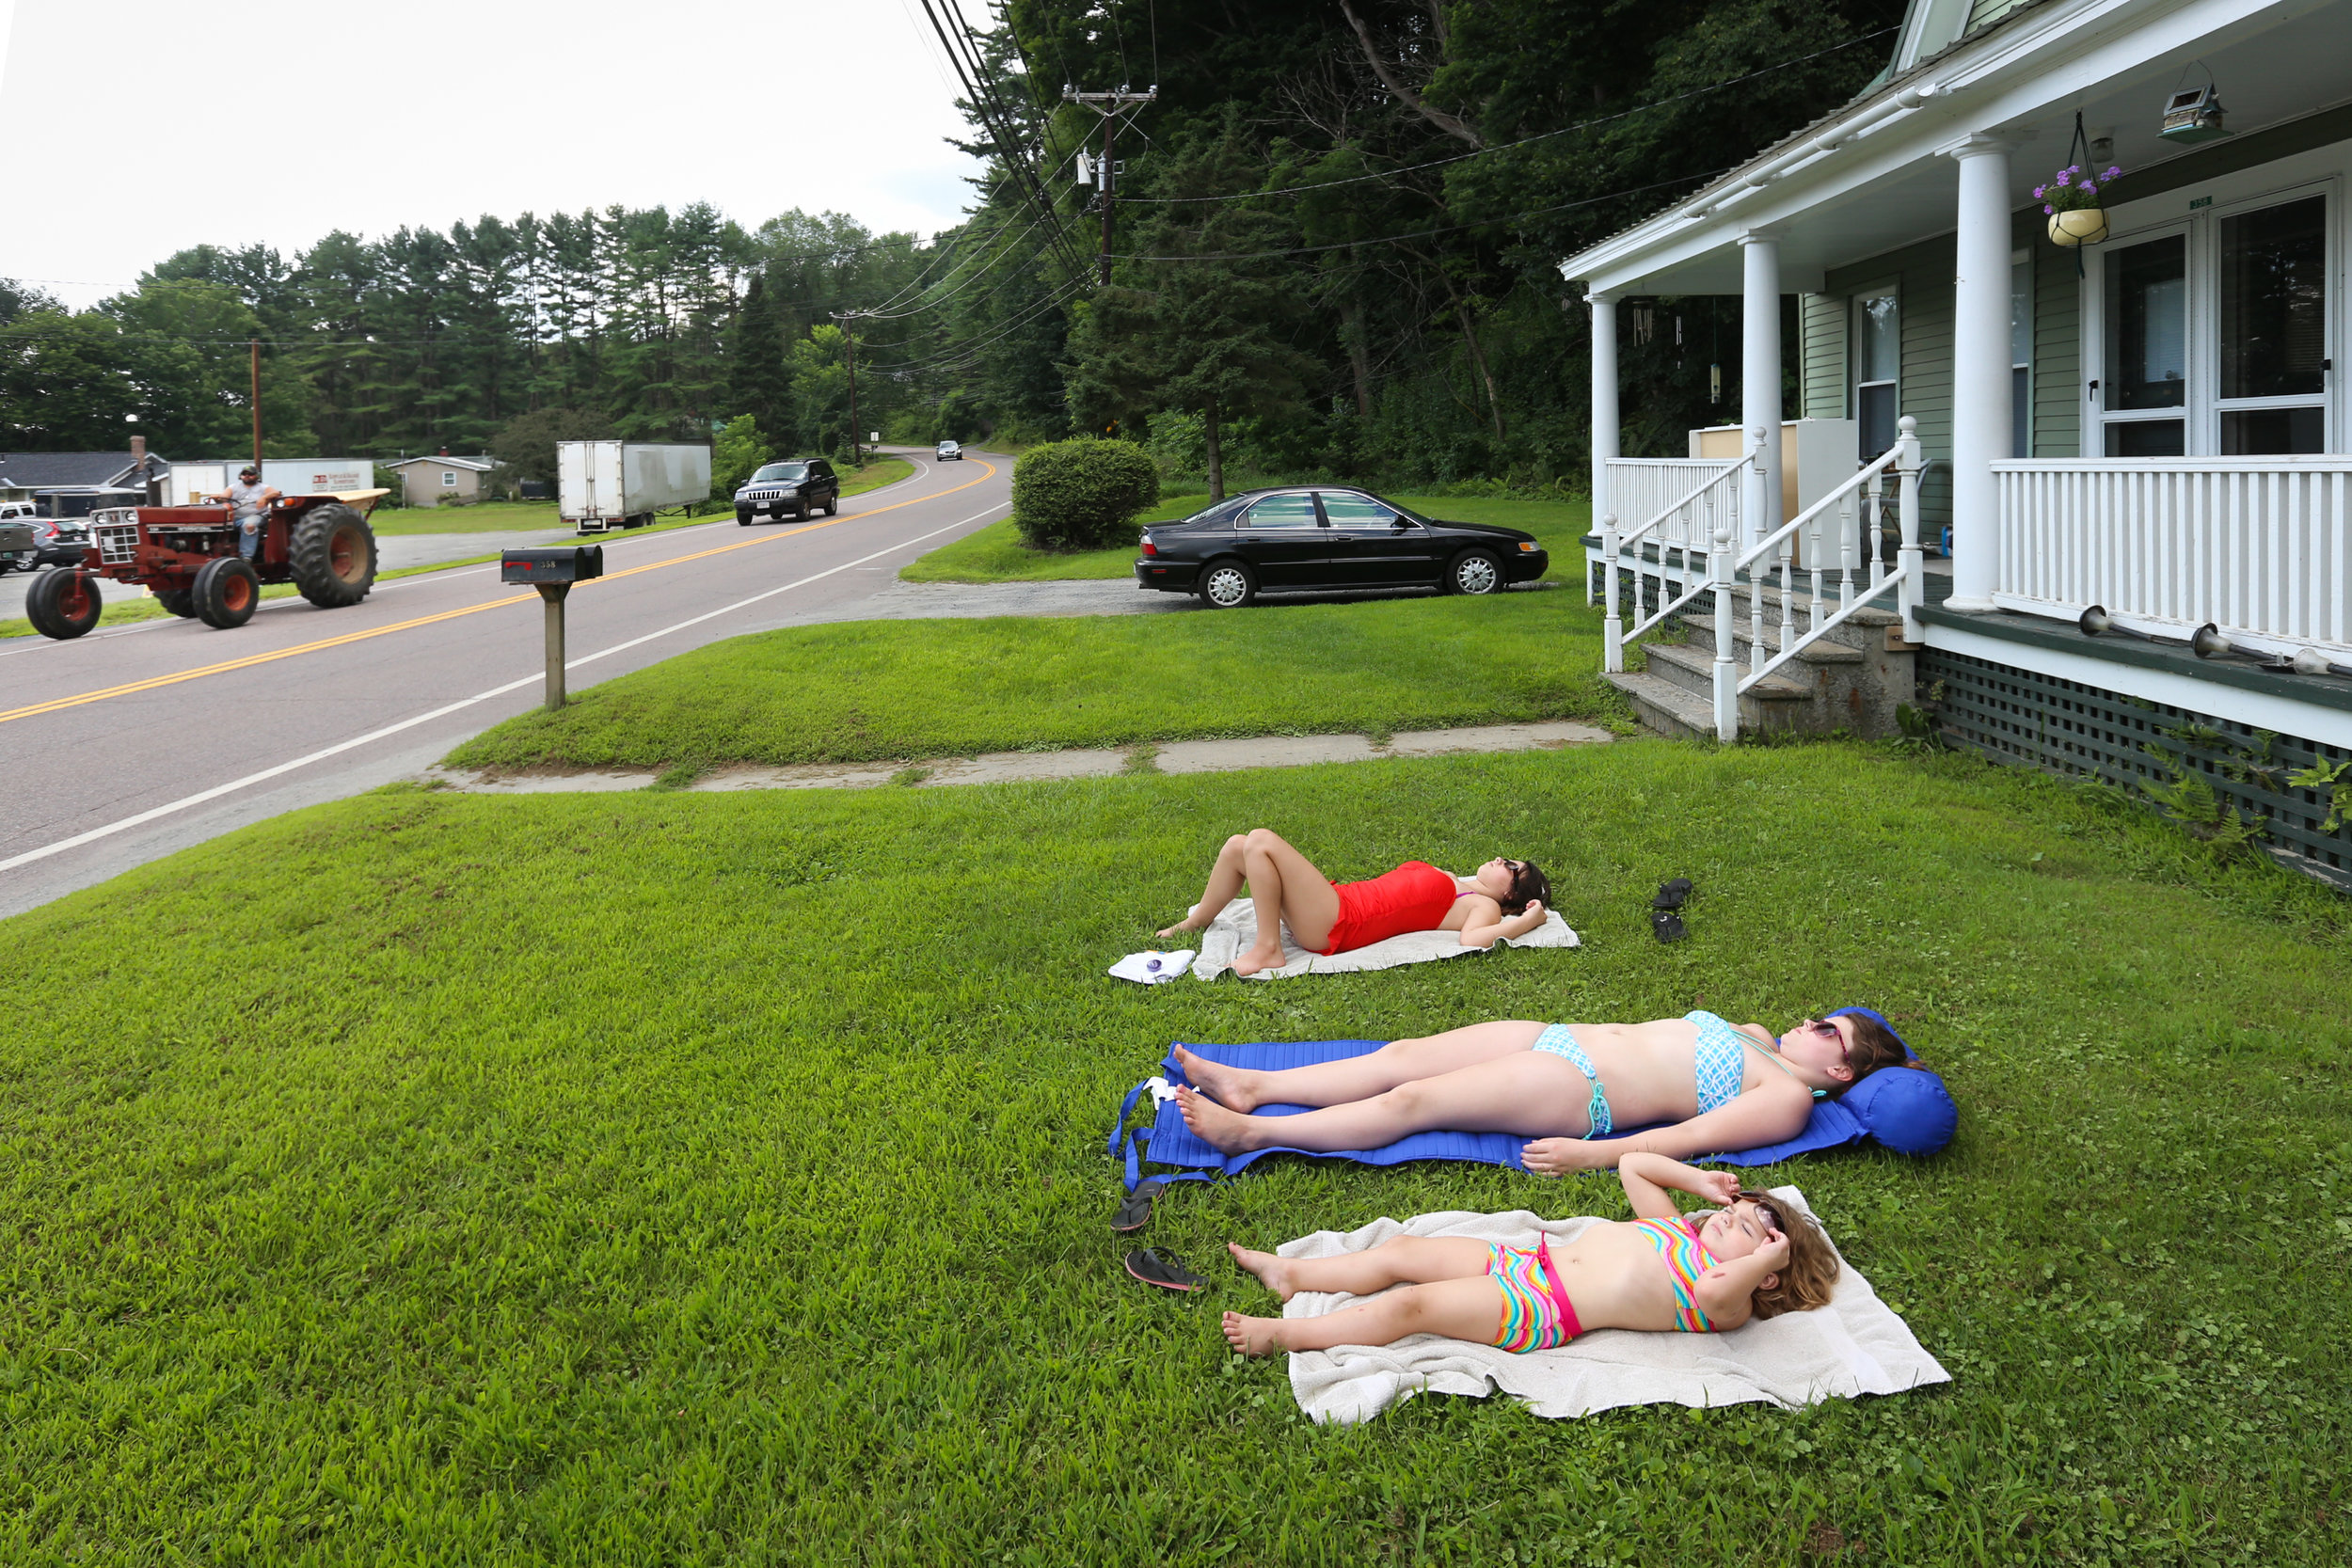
point(2256, 546)
point(1841, 515)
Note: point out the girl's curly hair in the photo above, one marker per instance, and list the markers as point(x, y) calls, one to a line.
point(1804, 1282)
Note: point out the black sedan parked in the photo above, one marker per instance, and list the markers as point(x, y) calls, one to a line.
point(1325, 537)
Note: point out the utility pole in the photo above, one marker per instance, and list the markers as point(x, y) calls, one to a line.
point(849, 326)
point(1107, 104)
point(255, 345)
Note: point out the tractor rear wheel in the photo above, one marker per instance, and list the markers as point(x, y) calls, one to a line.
point(176, 601)
point(63, 604)
point(333, 556)
point(227, 591)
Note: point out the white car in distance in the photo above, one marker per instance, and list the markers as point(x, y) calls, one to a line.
point(949, 449)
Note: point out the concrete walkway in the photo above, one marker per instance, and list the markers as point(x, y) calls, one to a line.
point(1176, 756)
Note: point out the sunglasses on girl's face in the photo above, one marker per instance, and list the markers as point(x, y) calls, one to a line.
point(1828, 1031)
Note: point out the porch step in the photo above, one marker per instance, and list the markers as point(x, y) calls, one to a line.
point(1677, 711)
point(1692, 668)
point(1849, 680)
point(1827, 651)
point(1666, 707)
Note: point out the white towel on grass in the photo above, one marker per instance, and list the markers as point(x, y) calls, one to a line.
point(1152, 967)
point(1230, 934)
point(1854, 1345)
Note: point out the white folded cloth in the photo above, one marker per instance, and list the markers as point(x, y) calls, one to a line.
point(1153, 968)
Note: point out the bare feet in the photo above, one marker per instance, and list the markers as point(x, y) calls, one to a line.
point(1273, 1272)
point(1230, 1086)
point(1227, 1132)
point(1252, 1335)
point(1182, 929)
point(1257, 959)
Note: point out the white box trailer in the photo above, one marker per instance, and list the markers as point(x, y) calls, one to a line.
point(295, 476)
point(608, 485)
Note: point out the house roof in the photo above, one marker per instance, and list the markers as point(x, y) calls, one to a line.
point(479, 464)
point(43, 470)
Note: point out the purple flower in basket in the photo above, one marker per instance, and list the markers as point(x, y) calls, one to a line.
point(2038, 192)
point(2048, 210)
point(2088, 188)
point(2112, 174)
point(2066, 177)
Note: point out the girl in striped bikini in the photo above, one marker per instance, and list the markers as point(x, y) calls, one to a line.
point(1699, 1274)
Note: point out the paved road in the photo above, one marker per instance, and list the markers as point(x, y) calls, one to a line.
point(139, 740)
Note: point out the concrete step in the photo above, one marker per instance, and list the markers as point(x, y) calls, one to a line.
point(1672, 708)
point(1827, 651)
point(1666, 707)
point(1693, 670)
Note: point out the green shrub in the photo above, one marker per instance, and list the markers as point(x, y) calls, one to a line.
point(1081, 494)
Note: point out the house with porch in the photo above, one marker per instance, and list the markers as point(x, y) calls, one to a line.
point(2088, 505)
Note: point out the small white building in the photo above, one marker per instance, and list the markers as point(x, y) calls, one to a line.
point(2153, 425)
point(425, 481)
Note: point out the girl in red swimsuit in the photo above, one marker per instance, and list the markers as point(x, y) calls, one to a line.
point(1503, 898)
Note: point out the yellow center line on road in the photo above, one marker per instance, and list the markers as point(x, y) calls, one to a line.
point(134, 687)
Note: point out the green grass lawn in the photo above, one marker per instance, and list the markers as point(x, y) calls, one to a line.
point(678, 1180)
point(391, 522)
point(865, 690)
point(996, 554)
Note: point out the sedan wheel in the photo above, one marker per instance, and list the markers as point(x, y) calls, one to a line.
point(1226, 585)
point(1475, 572)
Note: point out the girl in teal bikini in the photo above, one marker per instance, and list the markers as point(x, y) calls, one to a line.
point(1699, 1274)
point(1570, 1087)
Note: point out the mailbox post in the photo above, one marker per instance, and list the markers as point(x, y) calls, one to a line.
point(553, 571)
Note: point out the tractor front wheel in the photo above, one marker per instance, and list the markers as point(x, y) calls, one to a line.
point(227, 591)
point(63, 604)
point(333, 556)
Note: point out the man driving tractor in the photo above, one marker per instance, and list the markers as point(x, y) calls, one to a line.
point(249, 501)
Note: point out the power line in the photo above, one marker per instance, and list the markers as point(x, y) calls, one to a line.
point(1431, 234)
point(1524, 141)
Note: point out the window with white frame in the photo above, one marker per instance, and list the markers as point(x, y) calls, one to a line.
point(1877, 368)
point(2214, 333)
point(449, 479)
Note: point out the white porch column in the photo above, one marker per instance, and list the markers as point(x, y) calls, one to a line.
point(1759, 379)
point(1980, 368)
point(1606, 435)
point(1605, 421)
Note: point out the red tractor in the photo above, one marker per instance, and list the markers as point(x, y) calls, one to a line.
point(187, 556)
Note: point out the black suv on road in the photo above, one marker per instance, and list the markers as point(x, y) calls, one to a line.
point(788, 489)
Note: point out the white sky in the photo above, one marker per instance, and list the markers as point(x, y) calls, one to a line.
point(137, 128)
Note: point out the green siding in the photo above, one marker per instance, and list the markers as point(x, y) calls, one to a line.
point(1824, 356)
point(2058, 358)
point(1922, 276)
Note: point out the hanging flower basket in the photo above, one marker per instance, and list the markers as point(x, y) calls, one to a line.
point(2072, 202)
point(2078, 226)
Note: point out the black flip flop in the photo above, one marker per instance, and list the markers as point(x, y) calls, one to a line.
point(1153, 1269)
point(1668, 926)
point(1671, 895)
point(1136, 1212)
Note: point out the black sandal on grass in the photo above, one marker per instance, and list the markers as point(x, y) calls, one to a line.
point(1136, 1212)
point(1153, 1269)
point(1668, 926)
point(1671, 895)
